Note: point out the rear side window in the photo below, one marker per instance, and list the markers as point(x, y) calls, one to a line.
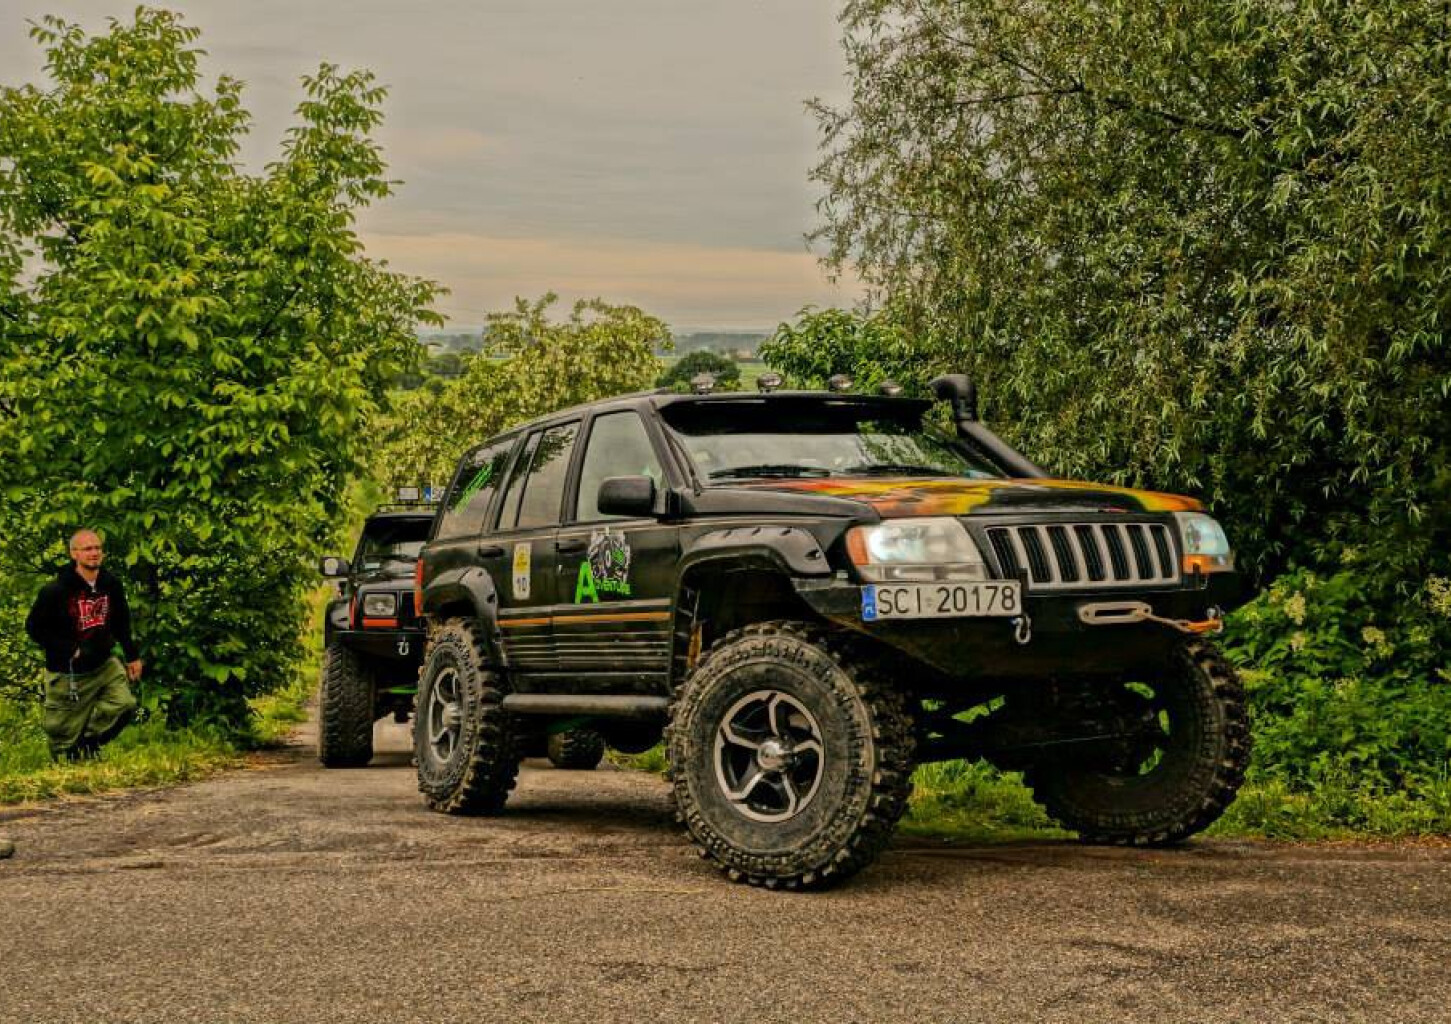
point(468, 505)
point(618, 446)
point(548, 461)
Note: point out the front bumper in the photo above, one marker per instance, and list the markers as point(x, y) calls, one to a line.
point(1058, 642)
point(400, 648)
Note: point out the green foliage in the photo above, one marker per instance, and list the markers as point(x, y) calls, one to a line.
point(192, 356)
point(702, 360)
point(868, 347)
point(1342, 694)
point(530, 366)
point(1202, 246)
point(972, 801)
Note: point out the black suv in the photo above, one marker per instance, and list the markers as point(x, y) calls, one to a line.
point(373, 640)
point(809, 593)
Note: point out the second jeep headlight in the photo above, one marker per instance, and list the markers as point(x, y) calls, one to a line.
point(377, 606)
point(915, 549)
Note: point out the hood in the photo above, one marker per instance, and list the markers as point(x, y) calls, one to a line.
point(894, 497)
point(388, 576)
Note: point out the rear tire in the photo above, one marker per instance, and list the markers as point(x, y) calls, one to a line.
point(345, 713)
point(463, 739)
point(790, 763)
point(1195, 764)
point(576, 749)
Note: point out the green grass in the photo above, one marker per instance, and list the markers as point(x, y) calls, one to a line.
point(144, 755)
point(968, 801)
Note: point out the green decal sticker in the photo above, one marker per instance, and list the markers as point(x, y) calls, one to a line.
point(606, 569)
point(584, 586)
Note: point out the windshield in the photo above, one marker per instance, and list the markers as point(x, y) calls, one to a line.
point(728, 442)
point(398, 541)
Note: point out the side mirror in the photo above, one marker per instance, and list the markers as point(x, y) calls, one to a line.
point(333, 566)
point(632, 496)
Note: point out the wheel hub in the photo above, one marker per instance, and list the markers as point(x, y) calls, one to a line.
point(776, 754)
point(769, 756)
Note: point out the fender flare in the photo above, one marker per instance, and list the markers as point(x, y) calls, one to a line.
point(791, 550)
point(473, 587)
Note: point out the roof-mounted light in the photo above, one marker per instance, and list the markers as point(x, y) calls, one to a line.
point(839, 383)
point(702, 383)
point(889, 388)
point(768, 382)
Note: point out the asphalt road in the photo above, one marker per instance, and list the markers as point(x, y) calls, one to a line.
point(286, 893)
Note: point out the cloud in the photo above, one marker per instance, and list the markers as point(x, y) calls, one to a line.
point(691, 286)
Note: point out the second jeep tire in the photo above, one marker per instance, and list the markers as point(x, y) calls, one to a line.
point(463, 739)
point(576, 749)
point(790, 762)
point(345, 713)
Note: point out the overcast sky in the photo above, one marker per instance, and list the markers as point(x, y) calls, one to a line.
point(649, 151)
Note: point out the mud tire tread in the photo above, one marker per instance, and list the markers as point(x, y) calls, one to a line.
point(579, 750)
point(481, 783)
point(1215, 777)
point(345, 710)
point(889, 783)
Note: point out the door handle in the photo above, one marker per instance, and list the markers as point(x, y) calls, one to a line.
point(490, 551)
point(570, 544)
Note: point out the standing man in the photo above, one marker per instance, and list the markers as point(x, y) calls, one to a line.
point(78, 619)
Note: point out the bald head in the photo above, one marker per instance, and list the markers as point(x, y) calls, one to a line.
point(86, 551)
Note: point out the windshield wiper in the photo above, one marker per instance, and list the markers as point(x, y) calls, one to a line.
point(893, 469)
point(770, 469)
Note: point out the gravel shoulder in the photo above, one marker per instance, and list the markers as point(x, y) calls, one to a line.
point(289, 893)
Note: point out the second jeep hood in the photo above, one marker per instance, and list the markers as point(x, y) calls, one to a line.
point(894, 497)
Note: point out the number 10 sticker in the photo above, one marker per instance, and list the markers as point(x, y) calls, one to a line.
point(521, 570)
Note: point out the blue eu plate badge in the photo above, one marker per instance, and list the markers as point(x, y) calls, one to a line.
point(869, 603)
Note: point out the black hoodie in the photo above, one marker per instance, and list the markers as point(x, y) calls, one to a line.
point(78, 624)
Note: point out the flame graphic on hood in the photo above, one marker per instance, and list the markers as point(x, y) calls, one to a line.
point(894, 497)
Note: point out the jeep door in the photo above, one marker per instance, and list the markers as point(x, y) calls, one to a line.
point(528, 516)
point(615, 576)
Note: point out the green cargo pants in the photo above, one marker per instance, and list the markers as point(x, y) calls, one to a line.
point(84, 711)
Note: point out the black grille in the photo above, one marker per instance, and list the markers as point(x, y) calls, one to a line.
point(1066, 555)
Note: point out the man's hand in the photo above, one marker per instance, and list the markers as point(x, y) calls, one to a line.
point(133, 670)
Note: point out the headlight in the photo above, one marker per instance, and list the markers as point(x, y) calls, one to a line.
point(377, 606)
point(915, 549)
point(1206, 548)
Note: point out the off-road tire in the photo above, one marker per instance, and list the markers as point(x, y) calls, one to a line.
point(1191, 786)
point(476, 777)
point(345, 712)
point(576, 749)
point(865, 766)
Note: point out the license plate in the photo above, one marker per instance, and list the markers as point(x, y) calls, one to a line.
point(940, 600)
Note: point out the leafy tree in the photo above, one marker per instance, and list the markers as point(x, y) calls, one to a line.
point(191, 355)
point(869, 347)
point(1204, 246)
point(530, 365)
point(702, 360)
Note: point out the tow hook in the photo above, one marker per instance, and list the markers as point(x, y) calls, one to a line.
point(1119, 613)
point(1022, 629)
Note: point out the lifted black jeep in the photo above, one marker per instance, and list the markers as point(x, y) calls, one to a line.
point(808, 594)
point(373, 640)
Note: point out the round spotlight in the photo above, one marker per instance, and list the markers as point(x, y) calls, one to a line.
point(839, 383)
